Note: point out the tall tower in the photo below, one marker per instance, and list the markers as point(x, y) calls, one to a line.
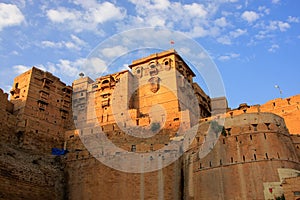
point(166, 88)
point(158, 93)
point(42, 104)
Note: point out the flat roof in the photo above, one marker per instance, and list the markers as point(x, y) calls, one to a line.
point(157, 56)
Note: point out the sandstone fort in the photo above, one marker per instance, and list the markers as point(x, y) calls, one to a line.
point(150, 132)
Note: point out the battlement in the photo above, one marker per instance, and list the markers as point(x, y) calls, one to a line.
point(288, 108)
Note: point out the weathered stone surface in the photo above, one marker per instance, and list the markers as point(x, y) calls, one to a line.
point(248, 155)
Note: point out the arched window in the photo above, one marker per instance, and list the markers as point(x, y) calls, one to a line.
point(105, 81)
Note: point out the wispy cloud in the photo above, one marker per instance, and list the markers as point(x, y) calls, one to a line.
point(264, 10)
point(229, 56)
point(237, 33)
point(74, 43)
point(19, 69)
point(273, 48)
point(292, 19)
point(275, 1)
point(224, 40)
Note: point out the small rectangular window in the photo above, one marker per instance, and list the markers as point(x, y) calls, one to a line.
point(133, 148)
point(297, 193)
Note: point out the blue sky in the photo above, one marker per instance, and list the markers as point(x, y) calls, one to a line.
point(254, 44)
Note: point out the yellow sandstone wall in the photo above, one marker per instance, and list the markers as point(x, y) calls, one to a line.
point(291, 188)
point(7, 120)
point(25, 174)
point(42, 104)
point(246, 156)
point(288, 108)
point(88, 178)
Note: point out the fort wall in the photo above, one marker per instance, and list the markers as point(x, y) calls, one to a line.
point(8, 121)
point(88, 178)
point(25, 174)
point(288, 108)
point(244, 157)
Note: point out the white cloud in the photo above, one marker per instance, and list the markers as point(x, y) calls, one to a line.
point(75, 43)
point(275, 25)
point(197, 32)
point(152, 4)
point(224, 40)
point(115, 51)
point(88, 17)
point(229, 1)
point(170, 14)
point(78, 41)
point(283, 26)
point(224, 58)
point(161, 4)
point(270, 29)
point(68, 68)
point(51, 44)
point(264, 9)
point(156, 21)
point(237, 33)
point(71, 45)
point(273, 48)
point(195, 10)
point(19, 69)
point(10, 15)
point(91, 67)
point(105, 12)
point(228, 56)
point(275, 1)
point(234, 55)
point(125, 67)
point(14, 53)
point(293, 19)
point(198, 19)
point(62, 14)
point(94, 65)
point(50, 67)
point(41, 67)
point(222, 22)
point(250, 16)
